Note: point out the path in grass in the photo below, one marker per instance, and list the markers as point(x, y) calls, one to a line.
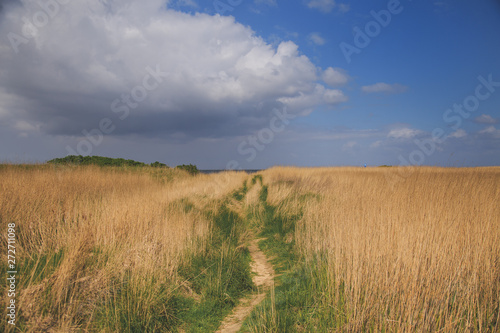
point(263, 278)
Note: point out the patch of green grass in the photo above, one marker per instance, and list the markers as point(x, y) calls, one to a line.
point(184, 204)
point(220, 274)
point(263, 195)
point(138, 306)
point(275, 230)
point(204, 317)
point(309, 196)
point(301, 300)
point(162, 175)
point(257, 178)
point(240, 194)
point(299, 304)
point(221, 282)
point(227, 225)
point(39, 266)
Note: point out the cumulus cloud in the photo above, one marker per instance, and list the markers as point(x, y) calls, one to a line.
point(266, 2)
point(335, 76)
point(24, 126)
point(304, 103)
point(460, 133)
point(342, 133)
point(485, 119)
point(403, 133)
point(317, 39)
point(344, 8)
point(349, 145)
point(323, 5)
point(186, 3)
point(215, 77)
point(327, 6)
point(382, 87)
point(491, 131)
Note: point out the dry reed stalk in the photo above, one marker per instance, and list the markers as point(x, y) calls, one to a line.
point(423, 254)
point(112, 226)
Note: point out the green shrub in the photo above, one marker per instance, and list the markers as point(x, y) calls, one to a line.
point(158, 165)
point(192, 169)
point(95, 160)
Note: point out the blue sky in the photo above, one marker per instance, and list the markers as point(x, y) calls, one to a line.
point(265, 83)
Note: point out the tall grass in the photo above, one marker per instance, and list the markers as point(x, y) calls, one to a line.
point(145, 249)
point(422, 254)
point(99, 248)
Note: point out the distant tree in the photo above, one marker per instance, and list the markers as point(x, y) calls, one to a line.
point(192, 169)
point(158, 165)
point(95, 160)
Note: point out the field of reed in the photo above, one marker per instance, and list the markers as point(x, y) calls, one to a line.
point(136, 249)
point(419, 254)
point(99, 249)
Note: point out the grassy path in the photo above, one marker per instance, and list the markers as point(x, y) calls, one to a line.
point(263, 279)
point(261, 247)
point(261, 269)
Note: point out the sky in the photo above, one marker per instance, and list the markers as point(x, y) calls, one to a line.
point(248, 84)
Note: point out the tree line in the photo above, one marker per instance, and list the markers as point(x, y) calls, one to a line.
point(119, 162)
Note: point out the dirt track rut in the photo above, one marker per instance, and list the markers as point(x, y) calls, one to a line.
point(263, 279)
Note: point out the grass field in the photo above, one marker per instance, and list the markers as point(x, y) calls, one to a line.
point(146, 249)
point(100, 248)
point(420, 255)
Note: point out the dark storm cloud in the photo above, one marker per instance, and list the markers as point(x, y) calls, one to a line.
point(177, 75)
point(4, 3)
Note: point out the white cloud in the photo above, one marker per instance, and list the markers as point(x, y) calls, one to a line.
point(460, 133)
point(376, 144)
point(24, 126)
point(304, 103)
point(325, 6)
point(335, 76)
point(266, 2)
point(349, 145)
point(382, 87)
point(344, 8)
point(187, 3)
point(334, 96)
point(316, 38)
point(491, 131)
point(403, 133)
point(485, 119)
point(7, 101)
point(219, 71)
point(345, 134)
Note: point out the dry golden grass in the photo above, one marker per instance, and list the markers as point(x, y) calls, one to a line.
point(108, 228)
point(420, 254)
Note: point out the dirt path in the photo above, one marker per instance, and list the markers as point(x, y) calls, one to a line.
point(263, 279)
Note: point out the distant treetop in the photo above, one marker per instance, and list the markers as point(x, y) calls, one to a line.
point(102, 161)
point(108, 161)
point(158, 165)
point(192, 169)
